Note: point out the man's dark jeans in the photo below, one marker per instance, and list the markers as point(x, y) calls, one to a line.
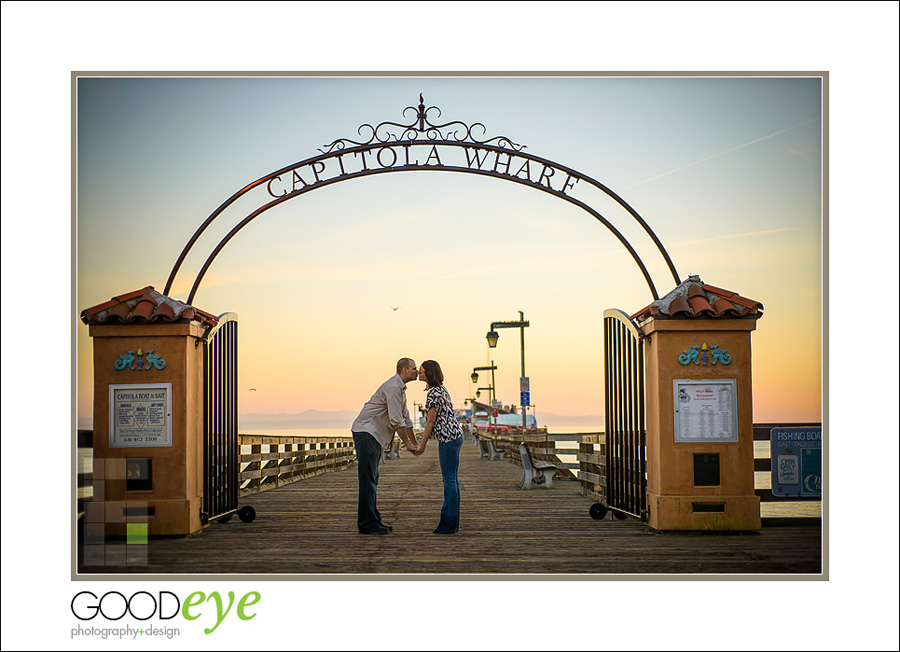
point(368, 457)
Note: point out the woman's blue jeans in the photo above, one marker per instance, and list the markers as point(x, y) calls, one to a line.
point(448, 453)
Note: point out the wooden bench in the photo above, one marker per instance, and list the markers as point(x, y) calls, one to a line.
point(536, 471)
point(489, 447)
point(392, 452)
point(484, 448)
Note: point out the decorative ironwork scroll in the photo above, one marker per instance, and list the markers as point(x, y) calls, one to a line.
point(419, 130)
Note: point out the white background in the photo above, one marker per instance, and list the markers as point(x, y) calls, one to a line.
point(856, 43)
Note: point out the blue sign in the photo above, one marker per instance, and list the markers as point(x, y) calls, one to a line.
point(796, 461)
point(526, 399)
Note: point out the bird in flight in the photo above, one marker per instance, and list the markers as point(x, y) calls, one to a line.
point(252, 389)
point(395, 309)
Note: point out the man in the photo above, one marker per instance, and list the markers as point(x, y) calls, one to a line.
point(373, 431)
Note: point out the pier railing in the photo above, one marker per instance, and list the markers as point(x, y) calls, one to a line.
point(590, 451)
point(266, 461)
point(84, 467)
point(269, 461)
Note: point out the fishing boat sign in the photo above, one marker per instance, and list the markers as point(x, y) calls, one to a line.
point(796, 461)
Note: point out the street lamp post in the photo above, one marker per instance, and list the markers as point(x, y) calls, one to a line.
point(490, 391)
point(419, 409)
point(471, 424)
point(493, 336)
point(493, 396)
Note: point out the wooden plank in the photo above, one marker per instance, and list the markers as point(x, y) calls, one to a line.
point(309, 527)
point(601, 498)
point(568, 437)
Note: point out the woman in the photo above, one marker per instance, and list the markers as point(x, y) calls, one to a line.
point(441, 422)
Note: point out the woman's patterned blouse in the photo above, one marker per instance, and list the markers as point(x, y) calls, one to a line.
point(446, 425)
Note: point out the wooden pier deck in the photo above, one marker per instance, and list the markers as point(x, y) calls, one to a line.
point(309, 529)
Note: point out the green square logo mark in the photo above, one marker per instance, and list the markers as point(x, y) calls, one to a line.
point(137, 533)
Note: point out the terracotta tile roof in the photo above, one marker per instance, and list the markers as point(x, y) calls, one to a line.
point(143, 306)
point(694, 299)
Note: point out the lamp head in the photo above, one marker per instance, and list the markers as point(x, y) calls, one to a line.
point(492, 338)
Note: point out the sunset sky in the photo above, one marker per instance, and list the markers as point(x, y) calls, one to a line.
point(726, 170)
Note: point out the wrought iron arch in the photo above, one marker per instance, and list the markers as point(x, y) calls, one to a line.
point(421, 133)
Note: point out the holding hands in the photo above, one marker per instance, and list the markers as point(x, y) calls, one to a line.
point(417, 448)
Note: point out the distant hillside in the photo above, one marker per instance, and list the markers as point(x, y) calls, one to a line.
point(305, 419)
point(549, 419)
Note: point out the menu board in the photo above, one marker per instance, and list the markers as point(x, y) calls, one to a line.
point(705, 410)
point(140, 415)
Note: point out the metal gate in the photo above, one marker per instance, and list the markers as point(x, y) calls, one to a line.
point(221, 448)
point(626, 430)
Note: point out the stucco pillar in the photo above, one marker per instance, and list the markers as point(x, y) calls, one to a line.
point(148, 427)
point(700, 473)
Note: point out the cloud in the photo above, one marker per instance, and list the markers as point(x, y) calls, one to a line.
point(733, 236)
point(727, 151)
point(808, 154)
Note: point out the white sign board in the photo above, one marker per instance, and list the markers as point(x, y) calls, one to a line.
point(705, 410)
point(140, 415)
